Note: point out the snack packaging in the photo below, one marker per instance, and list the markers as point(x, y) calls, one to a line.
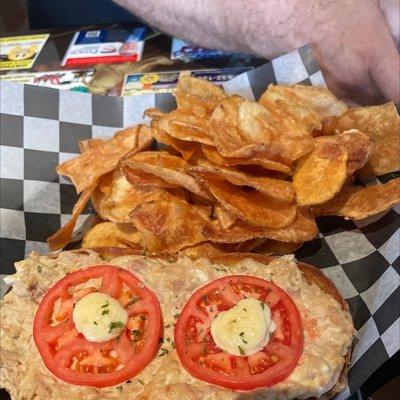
point(20, 52)
point(165, 82)
point(105, 46)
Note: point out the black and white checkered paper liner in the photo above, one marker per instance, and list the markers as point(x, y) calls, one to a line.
point(41, 128)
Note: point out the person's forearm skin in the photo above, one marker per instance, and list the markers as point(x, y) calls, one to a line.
point(234, 25)
point(350, 37)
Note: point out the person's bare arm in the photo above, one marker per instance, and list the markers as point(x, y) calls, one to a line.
point(350, 37)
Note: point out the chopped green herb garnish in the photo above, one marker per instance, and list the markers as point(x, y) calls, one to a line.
point(95, 322)
point(39, 269)
point(163, 352)
point(241, 351)
point(173, 345)
point(220, 269)
point(105, 305)
point(141, 382)
point(115, 325)
point(241, 334)
point(233, 321)
point(263, 305)
point(128, 381)
point(167, 326)
point(104, 312)
point(244, 309)
point(161, 340)
point(119, 388)
point(176, 315)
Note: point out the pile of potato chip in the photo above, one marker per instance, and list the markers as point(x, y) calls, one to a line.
point(234, 174)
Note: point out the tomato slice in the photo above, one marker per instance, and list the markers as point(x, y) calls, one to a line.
point(72, 358)
point(201, 357)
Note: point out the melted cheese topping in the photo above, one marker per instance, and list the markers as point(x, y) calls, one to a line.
point(99, 317)
point(244, 329)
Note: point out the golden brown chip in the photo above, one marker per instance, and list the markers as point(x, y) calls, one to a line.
point(246, 246)
point(358, 145)
point(154, 113)
point(111, 234)
point(278, 189)
point(212, 155)
point(187, 149)
point(307, 105)
point(85, 145)
point(250, 205)
point(184, 126)
point(302, 229)
point(139, 178)
point(123, 198)
point(227, 136)
point(197, 96)
point(270, 246)
point(209, 249)
point(225, 218)
point(87, 168)
point(357, 202)
point(382, 124)
point(170, 168)
point(169, 224)
point(243, 128)
point(63, 236)
point(321, 174)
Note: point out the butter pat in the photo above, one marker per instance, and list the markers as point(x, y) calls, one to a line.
point(99, 317)
point(244, 329)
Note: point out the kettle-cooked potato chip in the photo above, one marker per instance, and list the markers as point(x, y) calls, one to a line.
point(111, 234)
point(197, 96)
point(270, 246)
point(225, 218)
point(184, 126)
point(170, 168)
point(88, 144)
point(206, 249)
point(357, 202)
point(212, 155)
point(250, 205)
point(382, 124)
point(63, 236)
point(242, 128)
point(321, 174)
point(278, 189)
point(169, 224)
point(187, 149)
point(302, 229)
point(123, 198)
point(308, 105)
point(154, 113)
point(139, 178)
point(358, 145)
point(87, 168)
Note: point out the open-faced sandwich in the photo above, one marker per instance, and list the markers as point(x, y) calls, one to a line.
point(77, 326)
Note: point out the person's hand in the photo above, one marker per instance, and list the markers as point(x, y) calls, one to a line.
point(351, 38)
point(356, 51)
